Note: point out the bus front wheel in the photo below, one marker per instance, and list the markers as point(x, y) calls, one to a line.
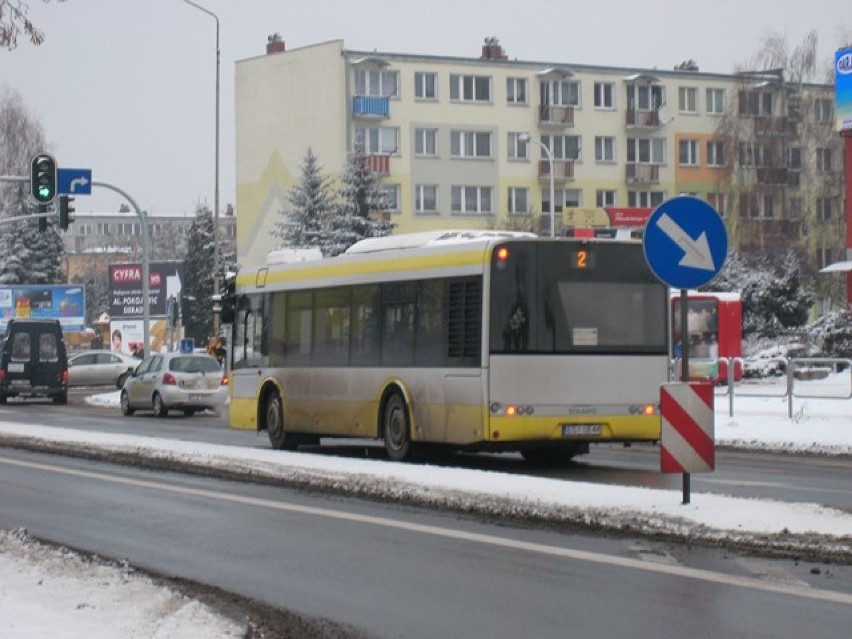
point(396, 429)
point(275, 424)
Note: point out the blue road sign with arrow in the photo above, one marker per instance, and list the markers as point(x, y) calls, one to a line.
point(685, 242)
point(74, 181)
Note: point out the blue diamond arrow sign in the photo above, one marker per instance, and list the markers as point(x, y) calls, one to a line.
point(685, 242)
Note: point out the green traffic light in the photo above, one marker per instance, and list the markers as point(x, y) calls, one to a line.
point(44, 193)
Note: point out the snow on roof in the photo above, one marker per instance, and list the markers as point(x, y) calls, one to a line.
point(837, 267)
point(430, 238)
point(289, 255)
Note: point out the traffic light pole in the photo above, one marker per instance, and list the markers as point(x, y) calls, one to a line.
point(143, 219)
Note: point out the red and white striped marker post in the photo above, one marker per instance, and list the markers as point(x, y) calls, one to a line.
point(687, 438)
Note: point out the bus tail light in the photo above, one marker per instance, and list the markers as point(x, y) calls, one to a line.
point(502, 254)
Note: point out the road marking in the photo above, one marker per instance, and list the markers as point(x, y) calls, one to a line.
point(449, 533)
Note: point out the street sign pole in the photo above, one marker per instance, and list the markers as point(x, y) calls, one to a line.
point(685, 244)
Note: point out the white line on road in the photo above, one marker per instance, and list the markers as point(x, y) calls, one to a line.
point(449, 533)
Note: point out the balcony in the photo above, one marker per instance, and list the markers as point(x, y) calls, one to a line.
point(563, 170)
point(378, 164)
point(643, 119)
point(370, 107)
point(771, 176)
point(768, 125)
point(555, 116)
point(643, 173)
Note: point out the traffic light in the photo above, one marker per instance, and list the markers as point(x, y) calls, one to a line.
point(65, 211)
point(225, 303)
point(43, 178)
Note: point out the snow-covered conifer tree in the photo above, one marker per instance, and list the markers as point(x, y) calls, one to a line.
point(197, 305)
point(362, 210)
point(311, 202)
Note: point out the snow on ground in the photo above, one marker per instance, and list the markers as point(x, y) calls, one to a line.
point(72, 597)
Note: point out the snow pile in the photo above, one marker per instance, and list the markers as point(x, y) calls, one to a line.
point(53, 592)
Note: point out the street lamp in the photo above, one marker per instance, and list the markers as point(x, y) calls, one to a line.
point(216, 180)
point(526, 137)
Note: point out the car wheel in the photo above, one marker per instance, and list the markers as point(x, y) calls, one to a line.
point(160, 408)
point(62, 398)
point(396, 429)
point(119, 383)
point(125, 404)
point(3, 398)
point(189, 412)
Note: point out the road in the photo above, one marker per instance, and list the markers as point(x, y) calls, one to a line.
point(393, 571)
point(822, 480)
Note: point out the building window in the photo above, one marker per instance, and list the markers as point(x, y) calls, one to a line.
point(795, 158)
point(824, 257)
point(518, 201)
point(717, 201)
point(795, 208)
point(155, 230)
point(426, 142)
point(471, 199)
point(560, 93)
point(754, 205)
point(688, 152)
point(378, 139)
point(823, 160)
point(823, 110)
point(754, 103)
point(646, 150)
point(563, 147)
point(687, 99)
point(377, 83)
point(426, 198)
point(604, 149)
point(470, 144)
point(565, 198)
point(604, 95)
point(470, 88)
point(102, 228)
point(518, 149)
point(604, 198)
point(753, 154)
point(391, 195)
point(516, 90)
point(825, 209)
point(715, 153)
point(645, 97)
point(425, 86)
point(645, 199)
point(83, 229)
point(715, 101)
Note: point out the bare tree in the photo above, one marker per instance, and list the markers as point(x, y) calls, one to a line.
point(783, 159)
point(14, 22)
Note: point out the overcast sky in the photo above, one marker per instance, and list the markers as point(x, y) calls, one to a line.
point(127, 87)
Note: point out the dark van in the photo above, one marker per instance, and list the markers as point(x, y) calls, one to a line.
point(34, 362)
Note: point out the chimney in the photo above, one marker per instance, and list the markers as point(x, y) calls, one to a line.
point(274, 44)
point(492, 50)
point(687, 65)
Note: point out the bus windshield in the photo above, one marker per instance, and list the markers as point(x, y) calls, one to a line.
point(572, 297)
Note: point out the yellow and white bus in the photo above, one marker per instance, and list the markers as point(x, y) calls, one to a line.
point(474, 340)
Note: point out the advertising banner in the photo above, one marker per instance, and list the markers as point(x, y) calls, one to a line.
point(125, 288)
point(127, 336)
point(48, 301)
point(843, 90)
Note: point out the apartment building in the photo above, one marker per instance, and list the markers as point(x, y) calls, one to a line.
point(121, 233)
point(479, 142)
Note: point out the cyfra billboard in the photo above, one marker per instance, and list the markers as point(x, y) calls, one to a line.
point(48, 301)
point(125, 288)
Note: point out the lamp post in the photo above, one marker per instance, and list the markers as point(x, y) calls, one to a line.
point(216, 179)
point(526, 137)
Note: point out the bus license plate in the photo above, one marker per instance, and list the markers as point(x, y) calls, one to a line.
point(581, 430)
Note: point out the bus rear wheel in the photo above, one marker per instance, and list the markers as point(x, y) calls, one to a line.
point(275, 424)
point(396, 429)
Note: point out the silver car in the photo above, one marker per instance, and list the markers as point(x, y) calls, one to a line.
point(175, 381)
point(99, 368)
